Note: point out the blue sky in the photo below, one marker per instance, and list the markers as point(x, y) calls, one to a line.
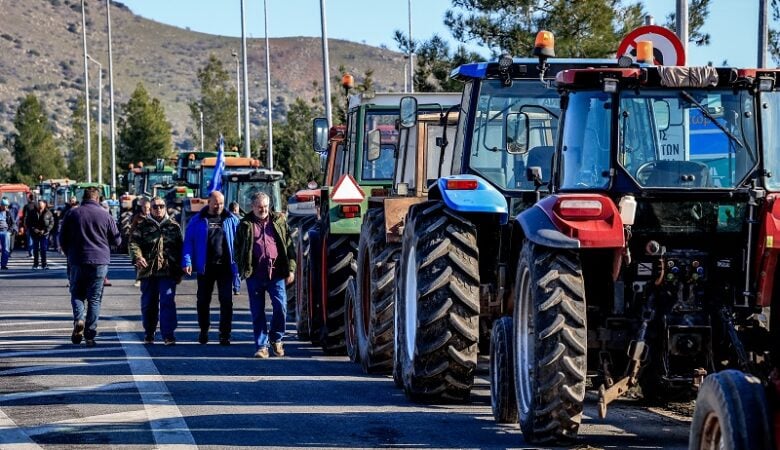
point(732, 23)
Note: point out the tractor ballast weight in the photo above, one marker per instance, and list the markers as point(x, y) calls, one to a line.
point(650, 264)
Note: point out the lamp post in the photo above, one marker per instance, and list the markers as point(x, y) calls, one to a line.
point(325, 64)
point(411, 51)
point(111, 98)
point(247, 136)
point(200, 110)
point(238, 95)
point(100, 119)
point(268, 89)
point(86, 92)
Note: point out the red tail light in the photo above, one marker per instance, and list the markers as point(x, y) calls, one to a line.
point(579, 208)
point(350, 211)
point(461, 185)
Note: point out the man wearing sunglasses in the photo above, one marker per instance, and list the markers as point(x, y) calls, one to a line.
point(156, 249)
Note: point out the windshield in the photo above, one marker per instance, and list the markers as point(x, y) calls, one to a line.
point(667, 138)
point(242, 192)
point(770, 126)
point(382, 166)
point(496, 124)
point(207, 173)
point(16, 198)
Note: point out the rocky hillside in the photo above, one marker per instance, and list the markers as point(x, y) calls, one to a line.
point(41, 53)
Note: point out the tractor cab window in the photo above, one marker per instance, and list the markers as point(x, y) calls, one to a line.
point(243, 191)
point(584, 158)
point(207, 173)
point(497, 152)
point(379, 140)
point(687, 139)
point(770, 133)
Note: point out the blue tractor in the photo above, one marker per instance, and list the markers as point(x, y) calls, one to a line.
point(454, 276)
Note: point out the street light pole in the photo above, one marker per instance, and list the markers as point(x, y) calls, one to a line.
point(111, 98)
point(326, 64)
point(100, 119)
point(247, 136)
point(238, 95)
point(411, 51)
point(268, 89)
point(200, 110)
point(86, 91)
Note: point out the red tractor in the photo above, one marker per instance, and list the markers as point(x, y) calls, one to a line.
point(652, 262)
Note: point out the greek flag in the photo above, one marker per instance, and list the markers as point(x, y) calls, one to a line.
point(216, 182)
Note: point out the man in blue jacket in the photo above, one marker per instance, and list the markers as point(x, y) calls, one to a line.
point(208, 251)
point(88, 233)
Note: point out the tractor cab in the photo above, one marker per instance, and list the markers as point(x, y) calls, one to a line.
point(239, 185)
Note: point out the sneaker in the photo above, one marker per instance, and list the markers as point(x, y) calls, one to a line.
point(90, 342)
point(137, 283)
point(170, 341)
point(223, 341)
point(262, 353)
point(78, 332)
point(278, 348)
point(35, 267)
point(106, 282)
point(203, 337)
point(149, 339)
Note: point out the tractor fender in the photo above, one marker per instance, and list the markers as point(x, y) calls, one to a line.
point(547, 224)
point(483, 198)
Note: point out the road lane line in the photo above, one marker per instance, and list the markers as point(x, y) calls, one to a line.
point(65, 391)
point(12, 437)
point(65, 351)
point(44, 367)
point(79, 425)
point(32, 330)
point(168, 426)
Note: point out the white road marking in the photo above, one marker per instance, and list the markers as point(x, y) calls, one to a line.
point(32, 330)
point(44, 367)
point(64, 391)
point(12, 437)
point(75, 349)
point(73, 425)
point(164, 418)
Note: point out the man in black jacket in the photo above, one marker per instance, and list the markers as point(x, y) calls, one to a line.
point(39, 223)
point(7, 229)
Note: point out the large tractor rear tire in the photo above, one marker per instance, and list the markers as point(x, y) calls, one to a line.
point(340, 265)
point(301, 285)
point(313, 284)
point(349, 320)
point(550, 344)
point(374, 302)
point(125, 221)
point(502, 371)
point(438, 304)
point(731, 412)
point(298, 229)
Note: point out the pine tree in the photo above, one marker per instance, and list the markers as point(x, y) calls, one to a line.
point(77, 157)
point(34, 148)
point(218, 103)
point(293, 148)
point(144, 132)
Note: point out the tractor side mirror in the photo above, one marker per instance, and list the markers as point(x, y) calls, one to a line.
point(516, 131)
point(408, 112)
point(320, 136)
point(374, 145)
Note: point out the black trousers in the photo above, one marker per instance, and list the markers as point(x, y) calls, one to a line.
point(223, 277)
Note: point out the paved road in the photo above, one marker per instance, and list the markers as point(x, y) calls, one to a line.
point(54, 394)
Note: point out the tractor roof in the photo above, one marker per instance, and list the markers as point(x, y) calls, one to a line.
point(394, 99)
point(232, 161)
point(246, 174)
point(662, 77)
point(525, 68)
point(14, 187)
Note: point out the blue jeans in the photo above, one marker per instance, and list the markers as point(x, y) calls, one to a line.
point(86, 294)
point(256, 289)
point(5, 247)
point(40, 245)
point(158, 299)
point(28, 238)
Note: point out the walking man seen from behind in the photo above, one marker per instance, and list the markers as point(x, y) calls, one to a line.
point(39, 223)
point(155, 247)
point(208, 251)
point(88, 233)
point(266, 258)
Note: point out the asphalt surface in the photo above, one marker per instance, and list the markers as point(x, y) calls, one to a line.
point(121, 393)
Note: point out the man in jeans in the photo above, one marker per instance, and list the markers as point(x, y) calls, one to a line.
point(39, 224)
point(7, 229)
point(266, 258)
point(88, 232)
point(155, 247)
point(208, 251)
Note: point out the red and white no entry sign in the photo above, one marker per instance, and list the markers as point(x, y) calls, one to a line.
point(667, 48)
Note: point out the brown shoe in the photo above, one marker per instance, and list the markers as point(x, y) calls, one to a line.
point(78, 332)
point(262, 353)
point(277, 348)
